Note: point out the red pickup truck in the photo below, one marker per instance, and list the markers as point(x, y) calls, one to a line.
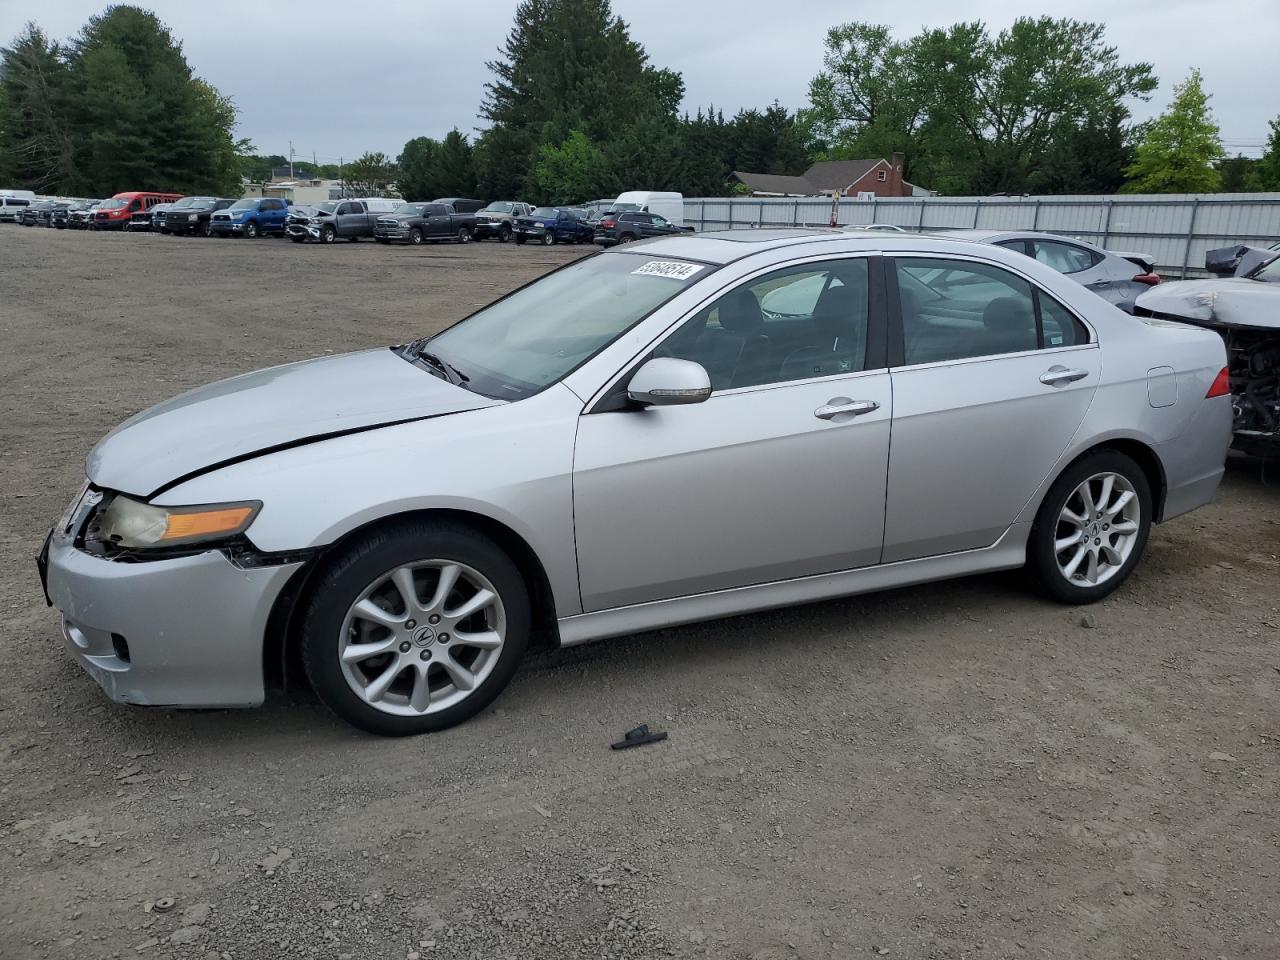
point(113, 214)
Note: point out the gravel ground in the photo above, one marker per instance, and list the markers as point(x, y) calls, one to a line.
point(955, 770)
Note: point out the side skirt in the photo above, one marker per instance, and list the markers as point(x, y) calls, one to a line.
point(1007, 553)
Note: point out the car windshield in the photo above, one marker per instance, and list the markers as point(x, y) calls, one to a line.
point(517, 346)
point(114, 203)
point(186, 202)
point(499, 208)
point(246, 204)
point(546, 213)
point(410, 209)
point(1268, 272)
point(327, 207)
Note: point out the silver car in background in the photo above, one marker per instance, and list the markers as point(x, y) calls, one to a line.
point(1119, 278)
point(670, 431)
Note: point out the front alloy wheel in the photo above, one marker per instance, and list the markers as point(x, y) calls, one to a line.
point(1092, 528)
point(548, 239)
point(416, 629)
point(251, 230)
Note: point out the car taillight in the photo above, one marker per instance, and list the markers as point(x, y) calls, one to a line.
point(1221, 386)
point(1150, 279)
point(608, 223)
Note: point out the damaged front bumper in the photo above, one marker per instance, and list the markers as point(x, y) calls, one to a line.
point(184, 631)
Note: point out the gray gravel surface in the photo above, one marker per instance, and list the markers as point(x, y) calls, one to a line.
point(954, 770)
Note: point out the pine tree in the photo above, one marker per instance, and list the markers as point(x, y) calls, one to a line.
point(34, 82)
point(1181, 147)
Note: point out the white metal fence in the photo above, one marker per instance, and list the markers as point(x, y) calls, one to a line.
point(1176, 230)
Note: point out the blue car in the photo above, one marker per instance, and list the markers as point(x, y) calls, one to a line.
point(251, 217)
point(548, 225)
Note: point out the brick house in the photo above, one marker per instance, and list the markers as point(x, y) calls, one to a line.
point(853, 178)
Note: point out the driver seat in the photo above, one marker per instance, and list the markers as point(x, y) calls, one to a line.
point(737, 352)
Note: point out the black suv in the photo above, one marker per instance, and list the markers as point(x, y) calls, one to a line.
point(194, 218)
point(633, 225)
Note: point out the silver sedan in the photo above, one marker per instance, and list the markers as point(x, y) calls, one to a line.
point(1118, 278)
point(671, 431)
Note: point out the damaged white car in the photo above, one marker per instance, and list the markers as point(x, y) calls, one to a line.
point(1245, 310)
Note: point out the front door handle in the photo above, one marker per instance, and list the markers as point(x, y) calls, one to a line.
point(844, 407)
point(1057, 376)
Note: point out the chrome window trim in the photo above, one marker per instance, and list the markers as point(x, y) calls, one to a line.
point(985, 358)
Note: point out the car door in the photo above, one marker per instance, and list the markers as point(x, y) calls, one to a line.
point(779, 474)
point(991, 379)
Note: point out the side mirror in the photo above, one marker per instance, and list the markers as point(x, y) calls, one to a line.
point(666, 381)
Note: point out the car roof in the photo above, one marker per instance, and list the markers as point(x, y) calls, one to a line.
point(726, 246)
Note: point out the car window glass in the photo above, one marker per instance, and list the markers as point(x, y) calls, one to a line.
point(1063, 257)
point(792, 324)
point(659, 222)
point(952, 309)
point(1061, 329)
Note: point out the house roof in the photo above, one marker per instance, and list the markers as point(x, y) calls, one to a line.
point(776, 183)
point(838, 174)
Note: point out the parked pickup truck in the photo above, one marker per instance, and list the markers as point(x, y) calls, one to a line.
point(550, 225)
point(348, 219)
point(418, 222)
point(494, 221)
point(196, 217)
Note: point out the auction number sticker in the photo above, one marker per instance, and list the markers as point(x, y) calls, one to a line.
point(672, 269)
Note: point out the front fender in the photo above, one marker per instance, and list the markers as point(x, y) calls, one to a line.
point(511, 463)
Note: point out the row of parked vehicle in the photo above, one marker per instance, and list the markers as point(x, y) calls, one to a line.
point(632, 216)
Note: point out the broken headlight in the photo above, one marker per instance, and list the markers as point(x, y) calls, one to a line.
point(127, 524)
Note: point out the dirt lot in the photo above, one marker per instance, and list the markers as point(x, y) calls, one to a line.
point(959, 770)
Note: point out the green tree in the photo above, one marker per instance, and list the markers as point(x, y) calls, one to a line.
point(571, 171)
point(1264, 174)
point(34, 85)
point(1181, 147)
point(566, 65)
point(369, 175)
point(973, 112)
point(418, 169)
point(1235, 173)
point(456, 166)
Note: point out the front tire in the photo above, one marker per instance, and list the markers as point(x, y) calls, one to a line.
point(415, 237)
point(548, 239)
point(251, 231)
point(328, 235)
point(1091, 529)
point(504, 233)
point(415, 628)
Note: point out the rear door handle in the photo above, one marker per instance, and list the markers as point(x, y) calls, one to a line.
point(1057, 376)
point(843, 406)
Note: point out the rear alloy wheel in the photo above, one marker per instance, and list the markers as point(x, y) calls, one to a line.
point(328, 235)
point(504, 233)
point(464, 235)
point(251, 230)
point(1092, 528)
point(415, 629)
point(415, 237)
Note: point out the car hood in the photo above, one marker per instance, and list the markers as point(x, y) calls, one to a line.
point(1234, 302)
point(267, 410)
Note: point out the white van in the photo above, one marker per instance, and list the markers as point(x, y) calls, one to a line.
point(669, 206)
point(379, 204)
point(11, 208)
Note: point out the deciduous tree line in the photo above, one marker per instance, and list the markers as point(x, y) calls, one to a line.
point(575, 110)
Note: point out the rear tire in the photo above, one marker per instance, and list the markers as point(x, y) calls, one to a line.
point(464, 235)
point(1092, 528)
point(371, 573)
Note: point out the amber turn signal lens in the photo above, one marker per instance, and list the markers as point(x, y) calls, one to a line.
point(181, 526)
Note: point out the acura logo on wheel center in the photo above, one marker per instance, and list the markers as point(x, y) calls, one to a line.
point(424, 637)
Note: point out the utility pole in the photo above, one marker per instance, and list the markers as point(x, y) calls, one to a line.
point(290, 159)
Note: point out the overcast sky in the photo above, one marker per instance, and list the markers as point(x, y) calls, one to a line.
point(339, 78)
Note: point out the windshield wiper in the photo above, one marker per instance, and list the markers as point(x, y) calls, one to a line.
point(451, 373)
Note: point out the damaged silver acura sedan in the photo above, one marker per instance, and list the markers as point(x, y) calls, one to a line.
point(671, 431)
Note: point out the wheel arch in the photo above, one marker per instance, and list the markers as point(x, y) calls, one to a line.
point(1136, 450)
point(280, 658)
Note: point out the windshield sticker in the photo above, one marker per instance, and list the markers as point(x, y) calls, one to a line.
point(672, 269)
